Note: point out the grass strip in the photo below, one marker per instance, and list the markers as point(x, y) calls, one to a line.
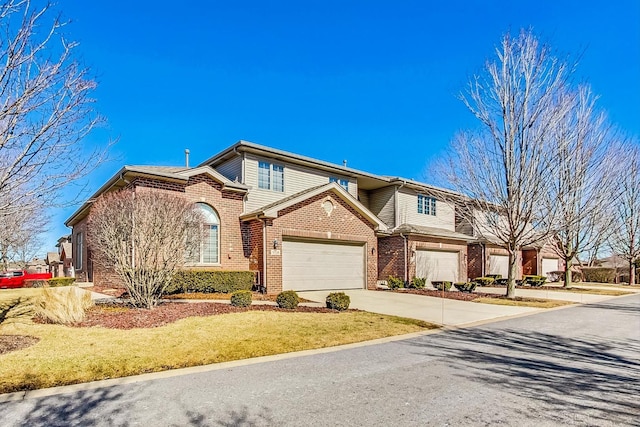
point(523, 302)
point(66, 355)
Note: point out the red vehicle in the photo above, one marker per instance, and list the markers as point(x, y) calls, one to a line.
point(16, 278)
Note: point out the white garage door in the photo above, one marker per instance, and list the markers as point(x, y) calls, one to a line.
point(499, 264)
point(549, 264)
point(310, 266)
point(436, 265)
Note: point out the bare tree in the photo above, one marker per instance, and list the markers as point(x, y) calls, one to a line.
point(583, 186)
point(144, 237)
point(45, 108)
point(504, 166)
point(625, 238)
point(20, 235)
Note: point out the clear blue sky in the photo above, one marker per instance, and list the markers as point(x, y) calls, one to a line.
point(372, 82)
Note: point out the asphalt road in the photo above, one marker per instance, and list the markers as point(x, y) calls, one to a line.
point(575, 366)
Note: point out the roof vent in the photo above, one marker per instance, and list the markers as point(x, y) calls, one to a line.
point(344, 163)
point(186, 157)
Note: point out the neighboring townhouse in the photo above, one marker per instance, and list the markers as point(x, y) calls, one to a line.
point(486, 256)
point(298, 222)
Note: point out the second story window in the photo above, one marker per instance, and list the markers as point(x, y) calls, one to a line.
point(426, 205)
point(270, 176)
point(343, 182)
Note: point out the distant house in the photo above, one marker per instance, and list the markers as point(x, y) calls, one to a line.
point(61, 263)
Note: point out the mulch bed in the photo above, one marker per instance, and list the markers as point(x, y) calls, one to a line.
point(457, 295)
point(16, 342)
point(123, 316)
point(255, 296)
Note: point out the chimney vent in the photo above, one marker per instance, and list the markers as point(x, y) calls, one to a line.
point(186, 157)
point(344, 163)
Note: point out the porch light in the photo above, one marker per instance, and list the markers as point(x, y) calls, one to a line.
point(275, 243)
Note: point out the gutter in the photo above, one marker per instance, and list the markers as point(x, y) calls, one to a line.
point(397, 207)
point(406, 264)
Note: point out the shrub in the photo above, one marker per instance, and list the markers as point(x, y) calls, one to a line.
point(599, 274)
point(502, 282)
point(417, 283)
point(338, 301)
point(241, 299)
point(394, 282)
point(61, 281)
point(288, 299)
point(211, 281)
point(534, 281)
point(465, 286)
point(485, 281)
point(63, 305)
point(494, 276)
point(441, 284)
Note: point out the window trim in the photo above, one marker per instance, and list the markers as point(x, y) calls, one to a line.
point(426, 205)
point(270, 169)
point(200, 262)
point(79, 249)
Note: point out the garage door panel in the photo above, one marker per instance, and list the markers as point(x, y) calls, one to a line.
point(499, 264)
point(549, 264)
point(322, 266)
point(437, 265)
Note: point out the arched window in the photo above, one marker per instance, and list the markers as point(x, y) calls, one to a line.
point(209, 248)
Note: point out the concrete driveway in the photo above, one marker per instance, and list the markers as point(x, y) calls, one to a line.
point(435, 310)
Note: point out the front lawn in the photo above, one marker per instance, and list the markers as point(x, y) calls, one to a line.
point(68, 355)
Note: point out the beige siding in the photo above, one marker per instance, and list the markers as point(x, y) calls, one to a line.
point(363, 197)
point(464, 226)
point(408, 212)
point(232, 169)
point(381, 203)
point(296, 179)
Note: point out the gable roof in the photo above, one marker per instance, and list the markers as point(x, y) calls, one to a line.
point(271, 210)
point(178, 174)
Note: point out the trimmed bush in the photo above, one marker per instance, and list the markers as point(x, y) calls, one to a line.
point(417, 283)
point(61, 281)
point(599, 274)
point(209, 282)
point(288, 299)
point(241, 299)
point(466, 286)
point(338, 301)
point(502, 282)
point(394, 282)
point(485, 281)
point(441, 284)
point(534, 281)
point(494, 276)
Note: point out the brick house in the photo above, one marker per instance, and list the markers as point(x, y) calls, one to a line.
point(300, 223)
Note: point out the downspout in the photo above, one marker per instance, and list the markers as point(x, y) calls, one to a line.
point(397, 207)
point(484, 258)
point(264, 255)
point(406, 264)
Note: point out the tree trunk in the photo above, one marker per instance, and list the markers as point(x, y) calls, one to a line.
point(511, 279)
point(567, 273)
point(632, 274)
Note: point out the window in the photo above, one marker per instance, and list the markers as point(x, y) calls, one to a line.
point(343, 182)
point(268, 180)
point(426, 205)
point(209, 247)
point(79, 250)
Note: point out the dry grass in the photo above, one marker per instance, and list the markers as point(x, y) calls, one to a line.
point(591, 291)
point(18, 305)
point(63, 305)
point(609, 285)
point(66, 355)
point(523, 302)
